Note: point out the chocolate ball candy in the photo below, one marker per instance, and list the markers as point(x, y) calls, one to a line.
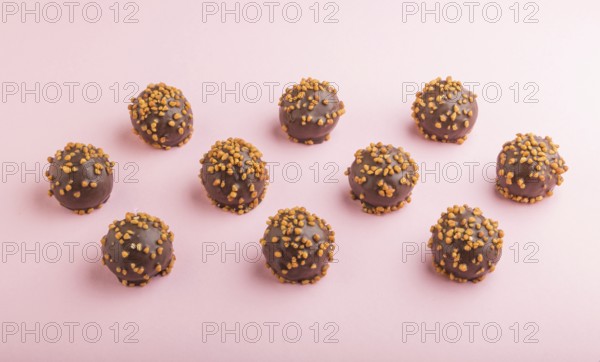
point(81, 177)
point(382, 177)
point(528, 168)
point(445, 111)
point(234, 175)
point(162, 116)
point(138, 248)
point(309, 111)
point(298, 246)
point(465, 245)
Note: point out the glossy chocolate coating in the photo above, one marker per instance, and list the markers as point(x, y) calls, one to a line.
point(309, 111)
point(465, 245)
point(298, 246)
point(528, 168)
point(81, 177)
point(138, 248)
point(445, 111)
point(162, 116)
point(234, 175)
point(382, 177)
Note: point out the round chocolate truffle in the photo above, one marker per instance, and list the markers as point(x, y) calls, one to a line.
point(234, 175)
point(528, 168)
point(81, 177)
point(162, 116)
point(382, 177)
point(138, 248)
point(445, 111)
point(298, 246)
point(309, 111)
point(465, 245)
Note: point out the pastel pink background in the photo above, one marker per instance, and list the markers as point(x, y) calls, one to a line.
point(370, 292)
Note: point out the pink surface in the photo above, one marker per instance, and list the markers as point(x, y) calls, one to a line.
point(380, 300)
